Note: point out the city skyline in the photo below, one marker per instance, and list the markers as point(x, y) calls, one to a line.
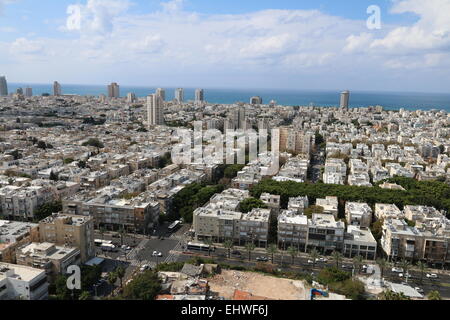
point(285, 44)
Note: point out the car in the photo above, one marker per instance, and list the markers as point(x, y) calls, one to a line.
point(310, 261)
point(419, 290)
point(401, 275)
point(262, 259)
point(116, 236)
point(432, 275)
point(347, 266)
point(155, 253)
point(145, 267)
point(321, 260)
point(236, 253)
point(160, 254)
point(397, 270)
point(124, 247)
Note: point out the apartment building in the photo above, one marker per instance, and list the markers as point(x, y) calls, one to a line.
point(359, 214)
point(401, 241)
point(273, 202)
point(386, 211)
point(325, 233)
point(48, 256)
point(292, 229)
point(22, 202)
point(359, 242)
point(14, 234)
point(298, 204)
point(329, 204)
point(254, 227)
point(71, 231)
point(335, 171)
point(22, 282)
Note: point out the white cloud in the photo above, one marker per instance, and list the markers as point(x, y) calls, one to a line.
point(23, 46)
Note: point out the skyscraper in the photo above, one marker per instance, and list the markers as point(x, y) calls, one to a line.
point(179, 95)
point(3, 86)
point(345, 97)
point(199, 96)
point(155, 114)
point(256, 100)
point(131, 97)
point(19, 91)
point(113, 90)
point(28, 92)
point(56, 88)
point(162, 93)
point(238, 118)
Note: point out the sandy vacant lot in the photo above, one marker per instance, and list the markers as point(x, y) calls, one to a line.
point(258, 285)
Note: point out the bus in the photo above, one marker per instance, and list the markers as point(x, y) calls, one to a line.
point(199, 247)
point(175, 225)
point(99, 242)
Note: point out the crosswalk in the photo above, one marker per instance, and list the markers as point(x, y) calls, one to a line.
point(174, 253)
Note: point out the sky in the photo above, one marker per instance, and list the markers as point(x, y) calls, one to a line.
point(277, 44)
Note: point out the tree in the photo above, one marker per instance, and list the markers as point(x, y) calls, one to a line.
point(94, 142)
point(434, 295)
point(357, 262)
point(391, 295)
point(293, 252)
point(422, 267)
point(229, 246)
point(102, 232)
point(250, 247)
point(272, 249)
point(122, 233)
point(112, 279)
point(120, 271)
point(249, 204)
point(145, 286)
point(46, 209)
point(53, 176)
point(314, 255)
point(210, 244)
point(404, 264)
point(383, 264)
point(337, 256)
point(85, 295)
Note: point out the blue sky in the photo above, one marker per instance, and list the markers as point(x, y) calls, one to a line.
point(320, 44)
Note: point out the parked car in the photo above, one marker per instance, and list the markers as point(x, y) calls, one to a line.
point(397, 270)
point(155, 253)
point(236, 253)
point(262, 259)
point(145, 267)
point(321, 260)
point(347, 266)
point(432, 275)
point(419, 290)
point(310, 261)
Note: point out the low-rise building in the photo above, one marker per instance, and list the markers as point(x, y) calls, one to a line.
point(325, 233)
point(359, 214)
point(292, 229)
point(22, 282)
point(329, 204)
point(359, 242)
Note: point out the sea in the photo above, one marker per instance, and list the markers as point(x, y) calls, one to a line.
point(319, 98)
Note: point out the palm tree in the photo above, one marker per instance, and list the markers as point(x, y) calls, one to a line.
point(337, 256)
point(272, 249)
point(357, 262)
point(120, 272)
point(404, 264)
point(391, 295)
point(383, 264)
point(229, 246)
point(209, 243)
point(250, 246)
point(293, 252)
point(102, 232)
point(122, 234)
point(314, 255)
point(434, 295)
point(85, 295)
point(423, 267)
point(112, 279)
